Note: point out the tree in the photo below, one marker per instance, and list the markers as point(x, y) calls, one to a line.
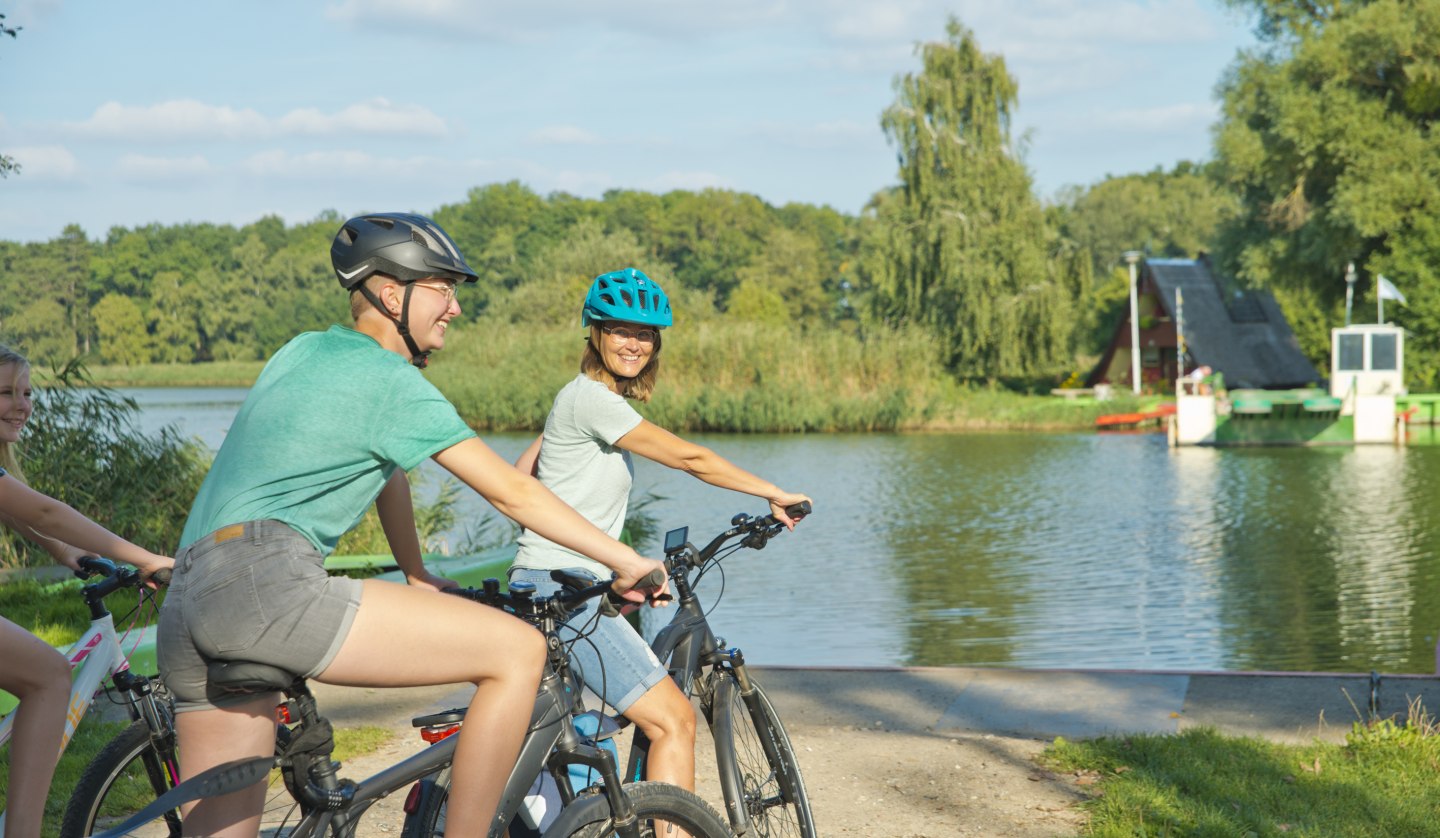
point(963, 238)
point(1328, 138)
point(8, 165)
point(120, 328)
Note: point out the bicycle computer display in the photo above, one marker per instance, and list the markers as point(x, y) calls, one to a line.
point(675, 539)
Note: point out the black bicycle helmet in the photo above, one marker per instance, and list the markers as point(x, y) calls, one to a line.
point(407, 247)
point(401, 245)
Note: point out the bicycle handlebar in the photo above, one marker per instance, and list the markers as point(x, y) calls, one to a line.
point(114, 577)
point(757, 531)
point(560, 605)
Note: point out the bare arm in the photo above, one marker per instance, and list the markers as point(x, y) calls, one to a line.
point(397, 519)
point(655, 443)
point(530, 460)
point(524, 500)
point(43, 515)
point(61, 552)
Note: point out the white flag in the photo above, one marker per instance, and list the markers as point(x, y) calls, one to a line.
point(1387, 290)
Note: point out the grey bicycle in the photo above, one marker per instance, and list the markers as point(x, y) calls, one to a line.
point(327, 804)
point(759, 773)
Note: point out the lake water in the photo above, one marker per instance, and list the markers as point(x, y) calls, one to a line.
point(1047, 550)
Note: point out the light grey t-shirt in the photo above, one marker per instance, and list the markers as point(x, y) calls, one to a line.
point(580, 463)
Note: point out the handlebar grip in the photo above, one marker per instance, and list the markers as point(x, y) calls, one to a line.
point(653, 579)
point(94, 566)
point(571, 580)
point(799, 510)
point(161, 576)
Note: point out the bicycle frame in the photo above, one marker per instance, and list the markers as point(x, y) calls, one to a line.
point(551, 743)
point(549, 727)
point(95, 656)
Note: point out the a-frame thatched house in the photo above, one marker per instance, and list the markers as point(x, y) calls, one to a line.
point(1242, 334)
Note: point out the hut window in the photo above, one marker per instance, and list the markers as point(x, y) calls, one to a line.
point(1352, 353)
point(1382, 352)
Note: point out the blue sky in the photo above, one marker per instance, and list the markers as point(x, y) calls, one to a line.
point(131, 113)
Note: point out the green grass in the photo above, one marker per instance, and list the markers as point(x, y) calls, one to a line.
point(212, 374)
point(56, 613)
point(92, 735)
point(1382, 782)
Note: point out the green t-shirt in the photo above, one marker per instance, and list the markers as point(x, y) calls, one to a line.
point(330, 418)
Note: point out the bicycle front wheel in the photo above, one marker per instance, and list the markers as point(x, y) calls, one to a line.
point(125, 777)
point(589, 817)
point(758, 770)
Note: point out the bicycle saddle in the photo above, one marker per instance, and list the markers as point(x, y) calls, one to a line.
point(249, 677)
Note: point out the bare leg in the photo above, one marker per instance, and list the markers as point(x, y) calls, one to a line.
point(405, 636)
point(401, 637)
point(665, 716)
point(40, 677)
point(214, 737)
point(667, 719)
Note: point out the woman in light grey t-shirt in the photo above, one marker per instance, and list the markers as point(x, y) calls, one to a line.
point(584, 457)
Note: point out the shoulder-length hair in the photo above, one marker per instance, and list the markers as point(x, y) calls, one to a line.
point(640, 388)
point(18, 364)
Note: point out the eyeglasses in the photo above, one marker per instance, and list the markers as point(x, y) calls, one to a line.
point(446, 288)
point(620, 335)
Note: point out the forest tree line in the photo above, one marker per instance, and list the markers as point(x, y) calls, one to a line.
point(1324, 155)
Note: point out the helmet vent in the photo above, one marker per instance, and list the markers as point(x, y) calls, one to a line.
point(382, 221)
point(347, 235)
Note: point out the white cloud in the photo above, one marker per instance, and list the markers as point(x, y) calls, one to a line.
point(1181, 119)
point(143, 168)
point(31, 12)
point(837, 134)
point(540, 19)
point(51, 163)
point(190, 120)
point(377, 116)
point(564, 135)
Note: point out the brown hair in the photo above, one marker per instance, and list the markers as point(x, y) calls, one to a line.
point(640, 388)
point(10, 357)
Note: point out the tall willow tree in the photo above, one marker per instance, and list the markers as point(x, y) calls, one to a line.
point(963, 239)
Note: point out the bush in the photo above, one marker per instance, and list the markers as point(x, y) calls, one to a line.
point(84, 447)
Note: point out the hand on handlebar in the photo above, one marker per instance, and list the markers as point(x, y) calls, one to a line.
point(428, 581)
point(778, 506)
point(646, 581)
point(156, 571)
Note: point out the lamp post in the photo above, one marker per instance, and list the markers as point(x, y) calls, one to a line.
point(1349, 289)
point(1131, 257)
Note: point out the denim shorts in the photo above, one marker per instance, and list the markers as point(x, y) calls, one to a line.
point(613, 660)
point(256, 591)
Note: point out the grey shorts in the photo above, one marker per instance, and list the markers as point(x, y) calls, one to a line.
point(613, 660)
point(255, 591)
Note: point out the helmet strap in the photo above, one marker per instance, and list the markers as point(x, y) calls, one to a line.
point(402, 323)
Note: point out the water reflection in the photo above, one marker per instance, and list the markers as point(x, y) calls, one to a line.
point(1050, 549)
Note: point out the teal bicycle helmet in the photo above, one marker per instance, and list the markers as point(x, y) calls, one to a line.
point(627, 295)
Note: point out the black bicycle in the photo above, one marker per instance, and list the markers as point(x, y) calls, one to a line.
point(327, 804)
point(759, 773)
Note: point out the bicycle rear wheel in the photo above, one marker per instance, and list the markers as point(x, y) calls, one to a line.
point(590, 816)
point(126, 776)
point(758, 770)
point(129, 774)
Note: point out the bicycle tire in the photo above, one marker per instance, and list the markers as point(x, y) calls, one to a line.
point(771, 789)
point(122, 779)
point(119, 782)
point(589, 817)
